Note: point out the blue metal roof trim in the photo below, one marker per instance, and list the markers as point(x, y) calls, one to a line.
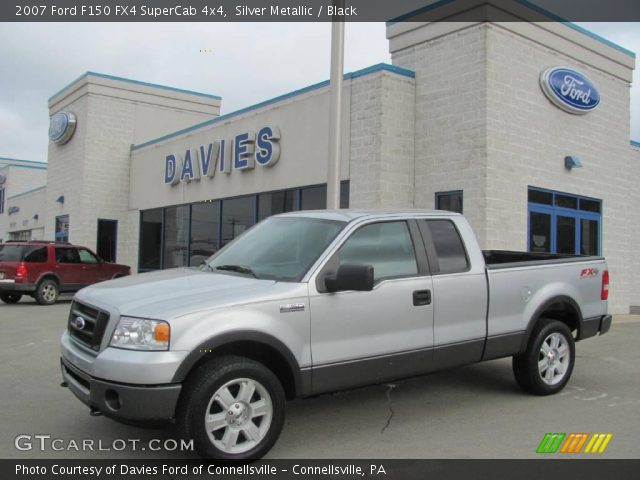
point(532, 6)
point(44, 164)
point(137, 82)
point(635, 143)
point(358, 73)
point(27, 192)
point(23, 166)
point(601, 39)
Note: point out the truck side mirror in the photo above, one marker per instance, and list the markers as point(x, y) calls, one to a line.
point(350, 277)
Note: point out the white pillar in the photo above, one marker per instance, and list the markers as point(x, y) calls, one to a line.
point(335, 113)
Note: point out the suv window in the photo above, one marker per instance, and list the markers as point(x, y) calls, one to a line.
point(23, 253)
point(35, 254)
point(87, 257)
point(67, 255)
point(387, 246)
point(449, 249)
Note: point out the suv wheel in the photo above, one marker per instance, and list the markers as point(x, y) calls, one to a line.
point(10, 298)
point(47, 292)
point(233, 409)
point(546, 366)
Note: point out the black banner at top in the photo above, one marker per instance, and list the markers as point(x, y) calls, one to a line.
point(319, 10)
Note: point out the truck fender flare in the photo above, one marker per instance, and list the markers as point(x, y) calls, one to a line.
point(564, 299)
point(212, 343)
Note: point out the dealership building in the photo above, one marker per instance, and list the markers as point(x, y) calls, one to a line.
point(523, 127)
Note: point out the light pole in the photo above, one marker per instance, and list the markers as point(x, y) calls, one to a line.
point(335, 112)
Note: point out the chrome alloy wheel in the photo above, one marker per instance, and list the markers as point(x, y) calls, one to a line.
point(554, 358)
point(238, 415)
point(49, 292)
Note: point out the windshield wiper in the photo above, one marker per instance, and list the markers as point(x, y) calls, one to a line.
point(237, 268)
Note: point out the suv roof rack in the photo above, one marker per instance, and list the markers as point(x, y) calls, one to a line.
point(49, 242)
point(56, 242)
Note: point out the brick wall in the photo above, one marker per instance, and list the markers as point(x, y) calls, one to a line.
point(528, 138)
point(450, 128)
point(382, 137)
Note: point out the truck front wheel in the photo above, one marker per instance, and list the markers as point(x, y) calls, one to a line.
point(546, 366)
point(233, 409)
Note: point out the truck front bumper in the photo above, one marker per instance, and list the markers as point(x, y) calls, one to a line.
point(592, 326)
point(119, 400)
point(122, 384)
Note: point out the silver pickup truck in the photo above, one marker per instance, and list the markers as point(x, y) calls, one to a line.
point(312, 302)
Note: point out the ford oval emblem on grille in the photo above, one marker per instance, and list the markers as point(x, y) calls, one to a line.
point(79, 323)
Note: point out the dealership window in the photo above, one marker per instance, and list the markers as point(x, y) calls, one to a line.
point(62, 228)
point(188, 234)
point(276, 202)
point(1, 200)
point(176, 235)
point(237, 216)
point(22, 235)
point(344, 194)
point(450, 201)
point(564, 223)
point(150, 239)
point(313, 198)
point(205, 225)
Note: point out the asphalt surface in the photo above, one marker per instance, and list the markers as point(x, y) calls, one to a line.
point(471, 412)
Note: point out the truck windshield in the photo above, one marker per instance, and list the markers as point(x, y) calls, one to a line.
point(279, 248)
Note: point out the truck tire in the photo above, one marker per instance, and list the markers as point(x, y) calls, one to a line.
point(546, 366)
point(47, 292)
point(233, 408)
point(10, 298)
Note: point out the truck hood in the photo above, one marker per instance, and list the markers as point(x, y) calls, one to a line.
point(171, 293)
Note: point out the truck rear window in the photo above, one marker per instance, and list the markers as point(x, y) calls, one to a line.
point(23, 253)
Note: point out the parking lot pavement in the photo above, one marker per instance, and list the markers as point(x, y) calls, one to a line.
point(472, 412)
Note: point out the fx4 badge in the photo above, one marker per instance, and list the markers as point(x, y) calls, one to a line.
point(589, 272)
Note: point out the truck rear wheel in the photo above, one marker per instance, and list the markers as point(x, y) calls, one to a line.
point(546, 366)
point(233, 409)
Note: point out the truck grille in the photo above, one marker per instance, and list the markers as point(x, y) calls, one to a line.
point(87, 325)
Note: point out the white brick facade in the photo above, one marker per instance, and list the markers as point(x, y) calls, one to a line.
point(484, 126)
point(92, 170)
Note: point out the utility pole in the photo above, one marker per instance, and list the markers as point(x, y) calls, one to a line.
point(335, 112)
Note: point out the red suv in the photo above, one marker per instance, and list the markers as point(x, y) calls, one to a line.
point(46, 269)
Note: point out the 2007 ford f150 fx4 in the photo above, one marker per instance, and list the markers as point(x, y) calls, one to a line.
point(312, 302)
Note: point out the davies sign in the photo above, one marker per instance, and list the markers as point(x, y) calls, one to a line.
point(569, 90)
point(242, 152)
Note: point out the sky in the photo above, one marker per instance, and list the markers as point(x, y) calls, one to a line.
point(241, 62)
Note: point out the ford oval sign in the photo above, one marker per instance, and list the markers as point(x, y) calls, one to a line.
point(61, 127)
point(569, 90)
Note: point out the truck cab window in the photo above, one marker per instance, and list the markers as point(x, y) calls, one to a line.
point(386, 246)
point(449, 250)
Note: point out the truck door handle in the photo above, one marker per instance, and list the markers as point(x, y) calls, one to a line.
point(421, 297)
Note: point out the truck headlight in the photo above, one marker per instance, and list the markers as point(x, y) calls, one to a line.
point(141, 334)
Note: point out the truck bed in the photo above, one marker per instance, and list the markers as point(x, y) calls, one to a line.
point(495, 259)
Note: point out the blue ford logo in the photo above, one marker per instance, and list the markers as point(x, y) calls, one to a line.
point(61, 127)
point(569, 90)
